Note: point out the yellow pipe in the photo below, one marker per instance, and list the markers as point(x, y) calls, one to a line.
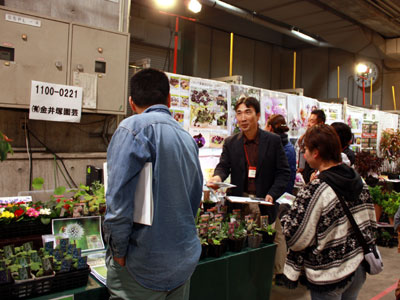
point(370, 93)
point(394, 98)
point(338, 82)
point(231, 56)
point(294, 69)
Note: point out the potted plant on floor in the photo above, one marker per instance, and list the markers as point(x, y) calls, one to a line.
point(391, 205)
point(377, 198)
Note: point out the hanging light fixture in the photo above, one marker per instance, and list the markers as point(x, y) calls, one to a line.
point(194, 6)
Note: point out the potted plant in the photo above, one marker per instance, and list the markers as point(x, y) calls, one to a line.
point(237, 236)
point(217, 236)
point(389, 147)
point(377, 198)
point(368, 166)
point(254, 237)
point(204, 247)
point(391, 205)
point(268, 234)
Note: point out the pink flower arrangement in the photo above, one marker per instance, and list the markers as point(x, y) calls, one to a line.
point(32, 212)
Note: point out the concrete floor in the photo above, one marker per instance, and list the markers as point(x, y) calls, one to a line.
point(376, 287)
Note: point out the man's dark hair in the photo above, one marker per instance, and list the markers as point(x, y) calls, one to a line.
point(249, 102)
point(320, 115)
point(344, 132)
point(325, 139)
point(149, 87)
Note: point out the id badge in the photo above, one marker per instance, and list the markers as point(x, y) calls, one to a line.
point(252, 172)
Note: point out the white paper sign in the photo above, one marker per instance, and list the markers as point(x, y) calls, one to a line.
point(55, 102)
point(9, 200)
point(89, 84)
point(23, 20)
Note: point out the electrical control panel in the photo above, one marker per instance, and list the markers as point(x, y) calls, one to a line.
point(49, 50)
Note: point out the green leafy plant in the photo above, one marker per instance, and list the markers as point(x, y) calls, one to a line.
point(268, 229)
point(93, 195)
point(237, 230)
point(391, 204)
point(376, 194)
point(253, 229)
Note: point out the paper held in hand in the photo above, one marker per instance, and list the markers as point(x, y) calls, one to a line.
point(223, 184)
point(286, 198)
point(143, 200)
point(236, 199)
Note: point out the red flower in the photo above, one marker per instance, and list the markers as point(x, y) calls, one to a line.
point(58, 200)
point(6, 138)
point(18, 212)
point(67, 206)
point(65, 200)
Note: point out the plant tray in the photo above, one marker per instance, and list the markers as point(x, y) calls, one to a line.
point(24, 229)
point(46, 285)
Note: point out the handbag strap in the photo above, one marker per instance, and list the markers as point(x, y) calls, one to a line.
point(356, 229)
point(353, 223)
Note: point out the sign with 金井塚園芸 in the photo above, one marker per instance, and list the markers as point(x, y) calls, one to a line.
point(55, 102)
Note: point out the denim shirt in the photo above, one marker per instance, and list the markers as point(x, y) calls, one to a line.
point(164, 255)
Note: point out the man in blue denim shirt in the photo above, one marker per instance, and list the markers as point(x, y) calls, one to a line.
point(152, 262)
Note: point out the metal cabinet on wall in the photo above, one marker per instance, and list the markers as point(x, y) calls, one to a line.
point(105, 54)
point(31, 48)
point(49, 50)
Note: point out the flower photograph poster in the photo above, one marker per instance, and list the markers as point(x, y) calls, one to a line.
point(84, 232)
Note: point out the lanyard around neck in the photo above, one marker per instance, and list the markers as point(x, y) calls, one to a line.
point(247, 157)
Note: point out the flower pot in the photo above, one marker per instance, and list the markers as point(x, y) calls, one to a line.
point(208, 205)
point(378, 211)
point(236, 245)
point(371, 181)
point(268, 238)
point(393, 176)
point(391, 220)
point(216, 250)
point(204, 251)
point(254, 240)
point(24, 228)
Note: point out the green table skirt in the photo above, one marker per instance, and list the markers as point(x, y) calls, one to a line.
point(243, 275)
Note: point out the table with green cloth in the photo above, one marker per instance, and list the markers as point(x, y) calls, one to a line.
point(242, 275)
point(235, 275)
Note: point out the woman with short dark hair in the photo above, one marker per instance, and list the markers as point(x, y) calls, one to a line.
point(324, 252)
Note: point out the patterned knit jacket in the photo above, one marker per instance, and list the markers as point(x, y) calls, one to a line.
point(324, 251)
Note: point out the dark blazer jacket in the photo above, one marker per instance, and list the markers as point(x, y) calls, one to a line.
point(273, 171)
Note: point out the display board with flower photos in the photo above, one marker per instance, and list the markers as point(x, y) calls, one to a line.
point(205, 108)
